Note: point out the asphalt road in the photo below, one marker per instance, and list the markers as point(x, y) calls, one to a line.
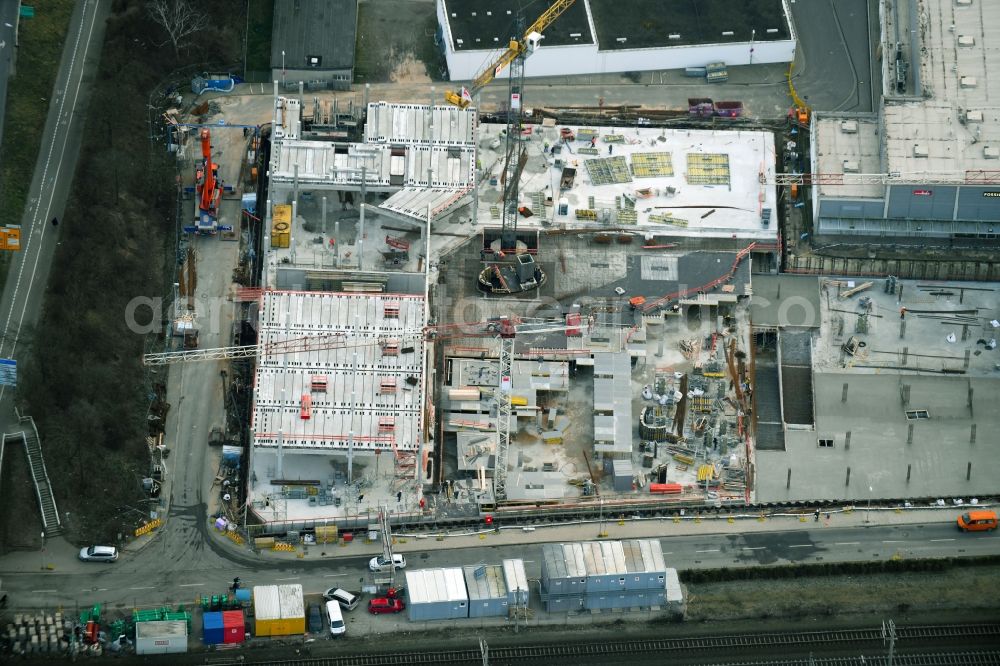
point(837, 42)
point(152, 577)
point(22, 296)
point(8, 21)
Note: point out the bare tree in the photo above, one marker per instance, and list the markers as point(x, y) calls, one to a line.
point(178, 17)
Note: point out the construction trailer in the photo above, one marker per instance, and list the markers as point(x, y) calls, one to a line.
point(487, 587)
point(161, 637)
point(602, 575)
point(436, 594)
point(279, 610)
point(516, 580)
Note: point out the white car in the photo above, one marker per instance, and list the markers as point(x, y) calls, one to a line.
point(99, 554)
point(376, 563)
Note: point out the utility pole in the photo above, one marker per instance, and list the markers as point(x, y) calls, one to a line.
point(889, 636)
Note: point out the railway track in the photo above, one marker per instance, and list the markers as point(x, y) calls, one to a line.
point(936, 659)
point(974, 633)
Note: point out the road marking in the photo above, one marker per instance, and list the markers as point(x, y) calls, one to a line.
point(43, 222)
point(933, 540)
point(669, 552)
point(333, 575)
point(151, 587)
point(801, 545)
point(292, 578)
point(754, 547)
point(893, 541)
point(707, 551)
point(44, 591)
point(192, 585)
point(847, 543)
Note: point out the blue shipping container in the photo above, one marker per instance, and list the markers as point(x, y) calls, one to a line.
point(213, 632)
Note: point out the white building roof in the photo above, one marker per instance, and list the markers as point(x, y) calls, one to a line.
point(273, 602)
point(420, 124)
point(413, 203)
point(340, 165)
point(612, 393)
point(515, 576)
point(345, 338)
point(428, 586)
point(649, 180)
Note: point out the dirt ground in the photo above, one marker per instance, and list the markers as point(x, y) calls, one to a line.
point(20, 520)
point(396, 42)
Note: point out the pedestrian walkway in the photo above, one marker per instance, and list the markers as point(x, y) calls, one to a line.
point(617, 528)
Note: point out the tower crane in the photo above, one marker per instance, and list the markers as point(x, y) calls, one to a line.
point(517, 49)
point(968, 177)
point(506, 331)
point(502, 278)
point(292, 346)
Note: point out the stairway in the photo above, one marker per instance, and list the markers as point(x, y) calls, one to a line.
point(43, 489)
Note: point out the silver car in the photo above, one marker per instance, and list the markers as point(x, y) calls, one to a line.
point(99, 554)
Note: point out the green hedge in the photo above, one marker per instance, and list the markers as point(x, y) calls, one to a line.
point(833, 569)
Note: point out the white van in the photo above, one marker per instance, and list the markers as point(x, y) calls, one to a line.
point(335, 618)
point(347, 600)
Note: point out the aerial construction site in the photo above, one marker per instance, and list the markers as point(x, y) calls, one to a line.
point(447, 315)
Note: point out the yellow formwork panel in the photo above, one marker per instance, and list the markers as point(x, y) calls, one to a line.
point(708, 168)
point(652, 165)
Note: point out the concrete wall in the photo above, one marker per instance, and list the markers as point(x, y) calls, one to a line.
point(919, 203)
point(851, 208)
point(587, 59)
point(935, 202)
point(291, 77)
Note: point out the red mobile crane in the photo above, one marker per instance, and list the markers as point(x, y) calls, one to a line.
point(208, 187)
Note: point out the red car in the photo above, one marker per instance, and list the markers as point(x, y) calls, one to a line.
point(385, 605)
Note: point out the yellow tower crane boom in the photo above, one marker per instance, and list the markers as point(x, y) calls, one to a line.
point(517, 47)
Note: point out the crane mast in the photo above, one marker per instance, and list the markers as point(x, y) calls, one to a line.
point(513, 162)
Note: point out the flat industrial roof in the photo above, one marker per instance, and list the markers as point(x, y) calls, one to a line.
point(340, 165)
point(489, 24)
point(640, 24)
point(960, 46)
point(676, 182)
point(882, 453)
point(373, 398)
point(846, 145)
point(428, 586)
point(420, 124)
point(905, 410)
point(325, 29)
